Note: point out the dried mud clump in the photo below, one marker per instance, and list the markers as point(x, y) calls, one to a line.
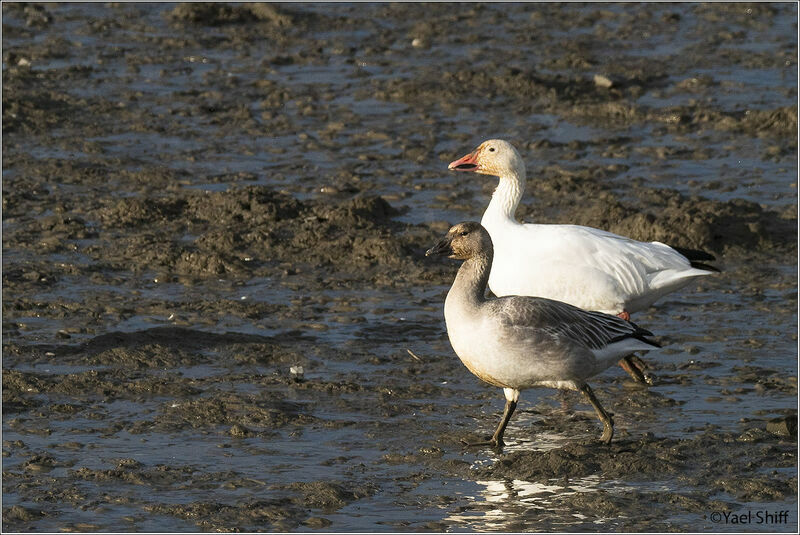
point(325, 495)
point(672, 218)
point(655, 214)
point(256, 515)
point(134, 211)
point(249, 231)
point(780, 122)
point(258, 414)
point(216, 14)
point(17, 513)
point(132, 367)
point(36, 112)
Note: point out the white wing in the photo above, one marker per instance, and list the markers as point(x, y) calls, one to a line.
point(589, 268)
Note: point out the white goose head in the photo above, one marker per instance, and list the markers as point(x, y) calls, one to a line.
point(493, 157)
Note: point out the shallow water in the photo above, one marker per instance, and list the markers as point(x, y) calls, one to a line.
point(188, 418)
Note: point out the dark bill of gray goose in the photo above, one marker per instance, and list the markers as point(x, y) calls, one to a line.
point(519, 342)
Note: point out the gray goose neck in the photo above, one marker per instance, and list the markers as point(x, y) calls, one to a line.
point(473, 277)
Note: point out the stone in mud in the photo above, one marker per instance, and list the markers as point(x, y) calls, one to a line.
point(601, 80)
point(783, 426)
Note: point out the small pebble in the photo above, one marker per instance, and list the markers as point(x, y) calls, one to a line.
point(602, 81)
point(297, 372)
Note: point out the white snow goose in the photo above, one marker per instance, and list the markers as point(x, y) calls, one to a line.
point(586, 267)
point(519, 342)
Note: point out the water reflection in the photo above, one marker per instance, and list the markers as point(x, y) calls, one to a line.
point(510, 505)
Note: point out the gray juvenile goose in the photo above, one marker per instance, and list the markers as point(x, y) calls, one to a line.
point(518, 342)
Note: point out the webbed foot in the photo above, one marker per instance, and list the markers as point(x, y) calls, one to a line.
point(493, 442)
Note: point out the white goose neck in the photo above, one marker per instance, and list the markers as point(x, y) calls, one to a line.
point(507, 195)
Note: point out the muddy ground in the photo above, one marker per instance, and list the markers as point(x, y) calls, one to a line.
point(201, 200)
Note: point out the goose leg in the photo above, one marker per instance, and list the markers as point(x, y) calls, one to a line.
point(497, 439)
point(641, 365)
point(632, 364)
point(637, 369)
point(608, 423)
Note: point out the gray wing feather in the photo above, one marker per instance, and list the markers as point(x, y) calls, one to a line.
point(593, 330)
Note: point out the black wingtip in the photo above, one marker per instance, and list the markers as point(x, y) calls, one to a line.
point(695, 254)
point(641, 335)
point(697, 258)
point(649, 341)
point(700, 265)
point(644, 335)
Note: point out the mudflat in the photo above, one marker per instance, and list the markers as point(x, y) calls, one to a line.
point(218, 316)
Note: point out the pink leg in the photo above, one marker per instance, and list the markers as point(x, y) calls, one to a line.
point(633, 364)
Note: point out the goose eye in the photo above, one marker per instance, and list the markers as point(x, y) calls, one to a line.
point(491, 149)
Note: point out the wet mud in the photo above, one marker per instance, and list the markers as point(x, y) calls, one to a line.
point(218, 316)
